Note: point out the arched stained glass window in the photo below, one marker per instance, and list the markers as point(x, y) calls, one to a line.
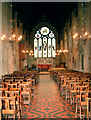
point(44, 43)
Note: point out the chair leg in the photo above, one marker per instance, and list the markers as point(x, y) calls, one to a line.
point(19, 114)
point(80, 111)
point(70, 95)
point(66, 95)
point(76, 111)
point(73, 101)
point(34, 92)
point(62, 91)
point(14, 116)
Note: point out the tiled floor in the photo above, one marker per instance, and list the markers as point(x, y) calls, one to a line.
point(47, 102)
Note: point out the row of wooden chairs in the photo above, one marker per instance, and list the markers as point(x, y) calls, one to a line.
point(22, 95)
point(14, 93)
point(77, 90)
point(23, 74)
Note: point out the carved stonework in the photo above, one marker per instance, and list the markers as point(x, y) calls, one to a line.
point(44, 61)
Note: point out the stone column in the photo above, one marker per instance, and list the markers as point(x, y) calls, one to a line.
point(0, 39)
point(0, 51)
point(89, 37)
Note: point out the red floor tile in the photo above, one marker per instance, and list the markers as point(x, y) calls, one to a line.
point(47, 102)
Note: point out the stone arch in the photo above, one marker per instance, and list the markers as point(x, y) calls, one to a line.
point(36, 28)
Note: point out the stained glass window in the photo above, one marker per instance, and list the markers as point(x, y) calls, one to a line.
point(49, 47)
point(44, 30)
point(35, 47)
point(40, 47)
point(53, 47)
point(44, 43)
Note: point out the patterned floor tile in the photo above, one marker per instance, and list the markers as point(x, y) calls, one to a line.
point(47, 102)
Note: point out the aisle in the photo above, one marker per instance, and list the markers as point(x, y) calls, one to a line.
point(47, 102)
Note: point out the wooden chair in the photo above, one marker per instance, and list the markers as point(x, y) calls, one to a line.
point(8, 108)
point(84, 95)
point(63, 85)
point(15, 85)
point(5, 84)
point(79, 88)
point(19, 80)
point(72, 92)
point(33, 87)
point(36, 78)
point(16, 95)
point(28, 80)
point(67, 89)
point(8, 80)
point(2, 91)
point(26, 93)
point(30, 83)
point(1, 86)
point(87, 83)
point(20, 97)
point(88, 108)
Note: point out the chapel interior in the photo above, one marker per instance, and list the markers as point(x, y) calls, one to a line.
point(45, 60)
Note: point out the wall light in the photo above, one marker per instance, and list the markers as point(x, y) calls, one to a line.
point(19, 39)
point(14, 35)
point(83, 37)
point(20, 36)
point(23, 51)
point(4, 36)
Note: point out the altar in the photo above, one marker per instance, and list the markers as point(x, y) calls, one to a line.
point(44, 66)
point(44, 63)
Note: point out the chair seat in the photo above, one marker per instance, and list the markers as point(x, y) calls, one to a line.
point(9, 112)
point(89, 114)
point(73, 91)
point(83, 104)
point(68, 90)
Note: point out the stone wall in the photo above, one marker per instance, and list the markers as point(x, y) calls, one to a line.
point(9, 52)
point(79, 55)
point(7, 58)
point(7, 55)
point(89, 37)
